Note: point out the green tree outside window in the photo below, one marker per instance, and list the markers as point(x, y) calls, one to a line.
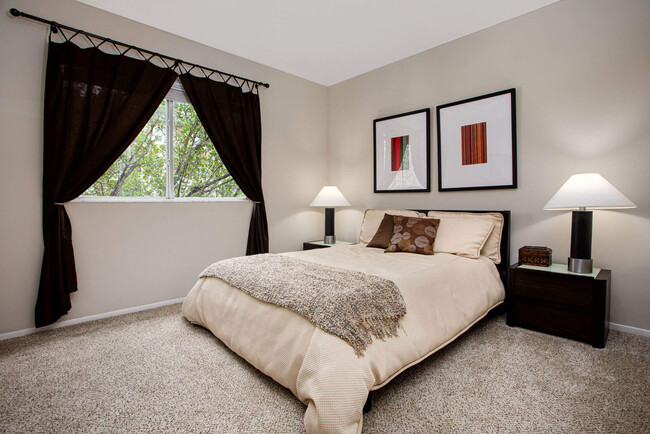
point(141, 171)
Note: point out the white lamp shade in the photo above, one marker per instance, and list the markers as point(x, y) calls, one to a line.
point(588, 191)
point(330, 197)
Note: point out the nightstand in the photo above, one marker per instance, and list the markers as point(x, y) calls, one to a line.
point(320, 244)
point(556, 301)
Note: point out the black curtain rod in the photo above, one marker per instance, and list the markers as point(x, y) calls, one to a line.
point(55, 26)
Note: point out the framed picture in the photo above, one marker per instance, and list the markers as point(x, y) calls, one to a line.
point(401, 153)
point(477, 143)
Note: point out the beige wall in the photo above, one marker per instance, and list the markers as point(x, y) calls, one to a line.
point(132, 254)
point(581, 69)
point(582, 74)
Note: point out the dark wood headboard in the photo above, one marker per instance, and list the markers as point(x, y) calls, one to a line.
point(505, 240)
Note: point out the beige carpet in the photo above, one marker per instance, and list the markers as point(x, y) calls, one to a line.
point(152, 372)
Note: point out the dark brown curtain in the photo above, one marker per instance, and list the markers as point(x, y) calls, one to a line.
point(231, 117)
point(95, 106)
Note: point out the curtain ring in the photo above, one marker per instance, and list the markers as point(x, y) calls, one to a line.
point(54, 30)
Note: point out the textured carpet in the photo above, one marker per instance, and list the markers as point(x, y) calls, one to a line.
point(153, 371)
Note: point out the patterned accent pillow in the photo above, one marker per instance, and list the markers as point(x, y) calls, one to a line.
point(372, 219)
point(413, 235)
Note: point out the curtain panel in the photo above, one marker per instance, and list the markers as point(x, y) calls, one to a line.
point(231, 117)
point(95, 106)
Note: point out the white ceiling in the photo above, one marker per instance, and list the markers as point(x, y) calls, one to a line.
point(326, 41)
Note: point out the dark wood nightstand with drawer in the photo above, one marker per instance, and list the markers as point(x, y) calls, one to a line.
point(556, 301)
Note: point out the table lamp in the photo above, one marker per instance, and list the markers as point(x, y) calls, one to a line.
point(329, 197)
point(581, 193)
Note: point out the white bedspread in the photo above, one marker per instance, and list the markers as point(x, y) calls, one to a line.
point(444, 296)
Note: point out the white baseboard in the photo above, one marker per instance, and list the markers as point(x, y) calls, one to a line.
point(24, 332)
point(628, 329)
point(69, 322)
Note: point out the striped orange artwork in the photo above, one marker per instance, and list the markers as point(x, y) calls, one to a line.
point(474, 143)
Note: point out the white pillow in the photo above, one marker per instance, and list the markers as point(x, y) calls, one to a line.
point(462, 237)
point(372, 219)
point(492, 247)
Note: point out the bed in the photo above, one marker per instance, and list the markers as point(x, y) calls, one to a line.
point(444, 293)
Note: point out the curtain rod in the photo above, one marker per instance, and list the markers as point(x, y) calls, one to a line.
point(56, 26)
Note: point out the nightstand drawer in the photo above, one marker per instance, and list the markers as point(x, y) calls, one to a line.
point(559, 320)
point(548, 287)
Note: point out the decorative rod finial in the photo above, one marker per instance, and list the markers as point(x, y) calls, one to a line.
point(15, 12)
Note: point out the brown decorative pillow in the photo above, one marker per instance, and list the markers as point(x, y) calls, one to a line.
point(384, 233)
point(413, 235)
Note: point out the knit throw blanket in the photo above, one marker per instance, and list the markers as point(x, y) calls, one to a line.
point(352, 305)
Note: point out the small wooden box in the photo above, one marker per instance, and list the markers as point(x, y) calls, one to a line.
point(535, 255)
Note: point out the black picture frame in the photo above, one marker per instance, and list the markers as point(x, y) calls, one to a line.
point(416, 177)
point(465, 173)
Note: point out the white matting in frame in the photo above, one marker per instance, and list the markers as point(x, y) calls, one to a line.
point(477, 143)
point(401, 152)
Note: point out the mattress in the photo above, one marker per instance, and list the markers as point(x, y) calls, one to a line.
point(444, 295)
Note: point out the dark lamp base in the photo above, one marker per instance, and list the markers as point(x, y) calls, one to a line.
point(329, 226)
point(584, 266)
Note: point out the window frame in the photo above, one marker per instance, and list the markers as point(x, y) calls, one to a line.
point(127, 199)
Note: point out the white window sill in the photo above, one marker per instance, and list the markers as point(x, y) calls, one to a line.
point(110, 199)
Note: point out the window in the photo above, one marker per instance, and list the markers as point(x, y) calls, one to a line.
point(172, 157)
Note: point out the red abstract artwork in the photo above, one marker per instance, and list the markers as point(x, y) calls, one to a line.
point(399, 153)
